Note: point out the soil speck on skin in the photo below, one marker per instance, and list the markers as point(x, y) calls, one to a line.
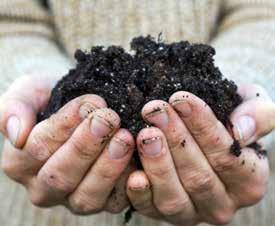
point(235, 148)
point(243, 162)
point(261, 153)
point(183, 143)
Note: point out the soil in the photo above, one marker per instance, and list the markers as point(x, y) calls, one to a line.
point(155, 71)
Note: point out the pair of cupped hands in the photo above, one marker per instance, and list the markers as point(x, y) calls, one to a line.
point(81, 158)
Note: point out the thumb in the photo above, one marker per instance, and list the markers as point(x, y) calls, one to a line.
point(19, 106)
point(253, 119)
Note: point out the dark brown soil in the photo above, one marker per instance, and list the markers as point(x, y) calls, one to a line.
point(261, 153)
point(155, 71)
point(235, 148)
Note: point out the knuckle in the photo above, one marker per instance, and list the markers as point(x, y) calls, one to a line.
point(62, 122)
point(211, 137)
point(56, 181)
point(106, 174)
point(175, 141)
point(160, 172)
point(38, 199)
point(9, 169)
point(199, 182)
point(12, 169)
point(214, 138)
point(78, 147)
point(222, 217)
point(223, 163)
point(81, 204)
point(38, 147)
point(172, 207)
point(202, 127)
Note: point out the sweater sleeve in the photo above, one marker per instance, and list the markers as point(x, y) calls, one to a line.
point(245, 45)
point(245, 42)
point(27, 42)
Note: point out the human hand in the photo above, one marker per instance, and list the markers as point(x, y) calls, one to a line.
point(76, 158)
point(189, 174)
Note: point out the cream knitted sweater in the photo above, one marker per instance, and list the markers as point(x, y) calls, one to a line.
point(34, 39)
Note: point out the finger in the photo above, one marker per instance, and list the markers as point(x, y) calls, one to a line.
point(140, 194)
point(13, 163)
point(215, 141)
point(210, 133)
point(158, 165)
point(19, 107)
point(118, 199)
point(47, 136)
point(247, 180)
point(252, 120)
point(92, 193)
point(61, 174)
point(198, 178)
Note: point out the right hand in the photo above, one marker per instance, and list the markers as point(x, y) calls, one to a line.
point(79, 157)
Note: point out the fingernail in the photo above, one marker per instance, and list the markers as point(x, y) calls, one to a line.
point(86, 109)
point(158, 117)
point(152, 147)
point(100, 127)
point(139, 183)
point(13, 128)
point(245, 127)
point(139, 186)
point(183, 108)
point(117, 148)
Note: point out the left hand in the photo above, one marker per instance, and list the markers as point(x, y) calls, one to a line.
point(189, 174)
